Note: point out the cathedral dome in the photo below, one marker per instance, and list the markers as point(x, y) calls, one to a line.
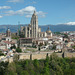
point(48, 30)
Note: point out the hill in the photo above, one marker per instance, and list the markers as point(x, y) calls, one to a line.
point(53, 28)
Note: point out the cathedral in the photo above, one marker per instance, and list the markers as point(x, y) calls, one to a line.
point(33, 31)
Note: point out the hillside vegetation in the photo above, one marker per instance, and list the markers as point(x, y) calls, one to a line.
point(52, 65)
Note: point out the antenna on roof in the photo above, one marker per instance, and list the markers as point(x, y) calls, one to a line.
point(18, 27)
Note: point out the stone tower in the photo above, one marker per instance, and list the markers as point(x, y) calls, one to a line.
point(34, 25)
point(8, 33)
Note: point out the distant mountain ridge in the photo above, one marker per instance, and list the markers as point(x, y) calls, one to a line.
point(53, 28)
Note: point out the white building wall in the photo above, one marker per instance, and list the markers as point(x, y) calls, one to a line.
point(2, 47)
point(8, 38)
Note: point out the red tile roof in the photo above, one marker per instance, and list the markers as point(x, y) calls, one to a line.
point(9, 42)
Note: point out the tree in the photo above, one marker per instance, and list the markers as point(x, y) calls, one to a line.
point(57, 33)
point(24, 72)
point(65, 36)
point(39, 48)
point(10, 73)
point(18, 50)
point(73, 47)
point(46, 66)
point(53, 56)
point(21, 35)
point(19, 68)
point(12, 67)
point(3, 67)
point(11, 70)
point(47, 58)
point(32, 72)
point(54, 47)
point(52, 65)
point(13, 47)
point(41, 44)
point(36, 63)
point(45, 43)
point(13, 36)
point(72, 65)
point(1, 54)
point(46, 70)
point(25, 64)
point(66, 41)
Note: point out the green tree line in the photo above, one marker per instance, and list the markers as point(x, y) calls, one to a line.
point(52, 65)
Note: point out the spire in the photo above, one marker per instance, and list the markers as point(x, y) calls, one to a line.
point(19, 25)
point(18, 28)
point(48, 28)
point(34, 12)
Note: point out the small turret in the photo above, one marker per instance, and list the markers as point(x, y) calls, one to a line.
point(8, 33)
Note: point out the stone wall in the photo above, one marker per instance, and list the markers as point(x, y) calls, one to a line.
point(70, 55)
point(38, 56)
point(43, 55)
point(24, 56)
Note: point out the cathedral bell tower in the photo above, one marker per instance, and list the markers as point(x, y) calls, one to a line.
point(34, 25)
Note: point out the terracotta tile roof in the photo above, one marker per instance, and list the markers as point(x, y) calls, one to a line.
point(9, 42)
point(5, 50)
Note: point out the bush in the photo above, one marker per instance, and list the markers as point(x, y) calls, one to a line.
point(1, 54)
point(18, 50)
point(13, 47)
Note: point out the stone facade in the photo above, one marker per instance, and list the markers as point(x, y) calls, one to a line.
point(25, 41)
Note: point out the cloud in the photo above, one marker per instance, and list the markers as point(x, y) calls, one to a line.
point(27, 11)
point(10, 13)
point(34, 2)
point(69, 23)
point(1, 16)
point(41, 14)
point(28, 16)
point(26, 2)
point(5, 7)
point(15, 1)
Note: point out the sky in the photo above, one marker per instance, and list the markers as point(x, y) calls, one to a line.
point(49, 11)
